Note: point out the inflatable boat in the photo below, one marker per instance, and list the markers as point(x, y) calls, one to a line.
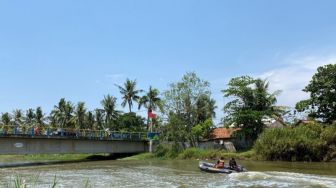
point(209, 167)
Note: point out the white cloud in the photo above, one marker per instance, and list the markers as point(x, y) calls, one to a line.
point(293, 76)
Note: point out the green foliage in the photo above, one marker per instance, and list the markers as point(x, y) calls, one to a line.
point(167, 151)
point(5, 118)
point(322, 89)
point(251, 102)
point(329, 140)
point(187, 103)
point(130, 122)
point(309, 142)
point(174, 130)
point(18, 182)
point(151, 100)
point(129, 93)
point(202, 130)
point(62, 114)
point(109, 110)
point(80, 113)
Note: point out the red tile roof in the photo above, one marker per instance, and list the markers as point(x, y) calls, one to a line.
point(222, 133)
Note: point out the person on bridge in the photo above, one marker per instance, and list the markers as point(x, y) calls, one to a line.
point(36, 131)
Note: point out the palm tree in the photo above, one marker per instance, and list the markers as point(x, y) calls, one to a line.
point(30, 117)
point(263, 100)
point(80, 115)
point(99, 119)
point(18, 117)
point(39, 116)
point(109, 106)
point(151, 101)
point(205, 108)
point(129, 93)
point(63, 113)
point(5, 118)
point(89, 120)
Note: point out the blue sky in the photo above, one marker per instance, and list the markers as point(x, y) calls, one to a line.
point(80, 49)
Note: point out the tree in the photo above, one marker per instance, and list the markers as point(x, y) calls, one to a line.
point(30, 117)
point(99, 119)
point(181, 104)
point(89, 120)
point(129, 93)
point(322, 89)
point(250, 102)
point(205, 108)
point(18, 117)
point(151, 101)
point(203, 129)
point(111, 114)
point(39, 116)
point(5, 118)
point(130, 122)
point(80, 115)
point(63, 113)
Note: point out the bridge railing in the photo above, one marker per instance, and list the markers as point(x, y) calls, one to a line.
point(45, 132)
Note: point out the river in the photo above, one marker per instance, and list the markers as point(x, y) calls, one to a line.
point(121, 173)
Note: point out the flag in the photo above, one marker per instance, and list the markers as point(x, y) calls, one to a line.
point(151, 114)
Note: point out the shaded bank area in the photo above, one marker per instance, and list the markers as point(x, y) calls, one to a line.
point(10, 161)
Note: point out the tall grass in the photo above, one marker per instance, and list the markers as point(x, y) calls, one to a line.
point(310, 142)
point(164, 151)
point(19, 182)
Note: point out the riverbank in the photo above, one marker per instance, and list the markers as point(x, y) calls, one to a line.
point(43, 157)
point(195, 154)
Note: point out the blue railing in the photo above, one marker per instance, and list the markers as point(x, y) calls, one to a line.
point(35, 132)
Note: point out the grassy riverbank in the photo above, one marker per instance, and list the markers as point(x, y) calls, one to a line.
point(193, 153)
point(50, 157)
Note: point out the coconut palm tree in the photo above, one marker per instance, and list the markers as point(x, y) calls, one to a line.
point(205, 108)
point(263, 100)
point(40, 116)
point(109, 106)
point(99, 119)
point(5, 118)
point(80, 115)
point(18, 117)
point(30, 117)
point(151, 100)
point(129, 93)
point(89, 120)
point(63, 112)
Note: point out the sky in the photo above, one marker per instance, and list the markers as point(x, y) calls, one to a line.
point(79, 50)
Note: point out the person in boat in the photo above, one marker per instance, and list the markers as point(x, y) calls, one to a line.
point(220, 163)
point(233, 164)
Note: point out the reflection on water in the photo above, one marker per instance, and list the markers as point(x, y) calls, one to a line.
point(174, 174)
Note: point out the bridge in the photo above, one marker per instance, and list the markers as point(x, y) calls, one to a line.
point(17, 140)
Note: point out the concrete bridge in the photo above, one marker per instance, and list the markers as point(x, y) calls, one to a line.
point(62, 141)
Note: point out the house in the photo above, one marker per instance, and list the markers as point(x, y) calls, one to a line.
point(221, 138)
point(273, 123)
point(222, 134)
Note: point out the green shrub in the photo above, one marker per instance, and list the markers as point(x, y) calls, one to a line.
point(304, 143)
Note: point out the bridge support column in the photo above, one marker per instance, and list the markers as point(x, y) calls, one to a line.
point(150, 146)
